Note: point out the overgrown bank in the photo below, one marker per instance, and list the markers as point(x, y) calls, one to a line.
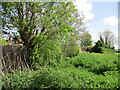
point(82, 71)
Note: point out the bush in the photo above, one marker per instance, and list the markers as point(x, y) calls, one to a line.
point(97, 48)
point(70, 48)
point(100, 47)
point(59, 78)
point(82, 71)
point(107, 51)
point(97, 63)
point(47, 54)
point(3, 41)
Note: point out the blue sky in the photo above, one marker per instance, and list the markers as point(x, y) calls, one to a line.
point(101, 11)
point(101, 16)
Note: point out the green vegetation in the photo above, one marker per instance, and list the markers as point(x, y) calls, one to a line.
point(44, 31)
point(96, 63)
point(70, 48)
point(3, 41)
point(82, 71)
point(102, 46)
point(52, 33)
point(86, 39)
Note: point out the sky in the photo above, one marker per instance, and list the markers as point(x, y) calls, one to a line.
point(102, 15)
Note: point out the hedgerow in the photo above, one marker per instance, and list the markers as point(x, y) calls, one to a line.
point(82, 71)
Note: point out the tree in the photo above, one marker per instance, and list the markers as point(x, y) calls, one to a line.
point(108, 38)
point(102, 45)
point(85, 39)
point(36, 19)
point(39, 23)
point(70, 47)
point(98, 47)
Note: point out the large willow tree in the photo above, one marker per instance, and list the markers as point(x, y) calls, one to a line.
point(32, 19)
point(39, 22)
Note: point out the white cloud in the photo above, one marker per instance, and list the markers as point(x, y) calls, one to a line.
point(85, 7)
point(112, 21)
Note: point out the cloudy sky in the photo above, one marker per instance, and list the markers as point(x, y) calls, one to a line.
point(102, 15)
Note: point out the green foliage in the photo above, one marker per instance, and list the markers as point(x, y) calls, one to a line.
point(106, 50)
point(70, 47)
point(39, 19)
point(42, 27)
point(49, 54)
point(67, 75)
point(115, 73)
point(3, 41)
point(100, 47)
point(97, 48)
point(97, 63)
point(45, 32)
point(85, 39)
point(23, 80)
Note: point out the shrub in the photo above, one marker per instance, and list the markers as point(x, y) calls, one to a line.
point(97, 63)
point(2, 41)
point(47, 54)
point(82, 71)
point(69, 77)
point(70, 48)
point(97, 48)
point(101, 47)
point(107, 51)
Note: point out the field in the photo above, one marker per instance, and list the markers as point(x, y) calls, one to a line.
point(82, 71)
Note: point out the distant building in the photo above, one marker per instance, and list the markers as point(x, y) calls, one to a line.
point(17, 42)
point(11, 43)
